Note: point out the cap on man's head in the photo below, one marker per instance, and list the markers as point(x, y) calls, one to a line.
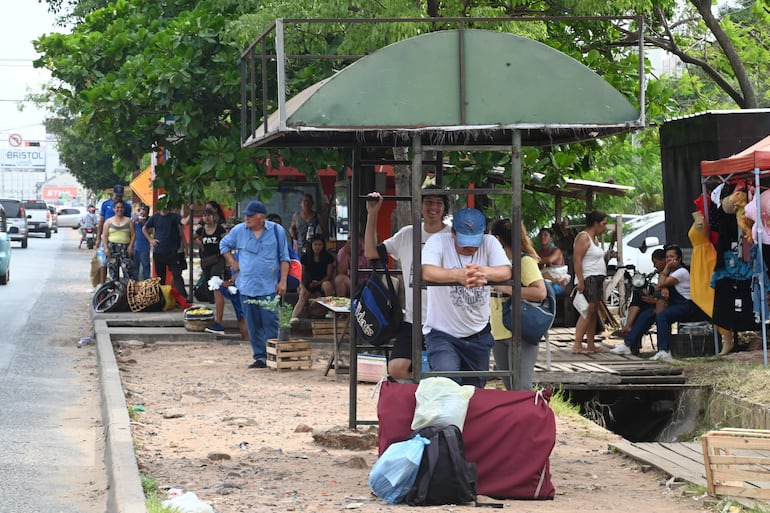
point(118, 190)
point(255, 207)
point(469, 225)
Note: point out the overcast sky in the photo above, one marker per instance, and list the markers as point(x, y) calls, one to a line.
point(25, 20)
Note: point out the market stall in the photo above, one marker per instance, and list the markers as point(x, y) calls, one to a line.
point(749, 165)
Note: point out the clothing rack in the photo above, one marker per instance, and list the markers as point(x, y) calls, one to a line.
point(756, 173)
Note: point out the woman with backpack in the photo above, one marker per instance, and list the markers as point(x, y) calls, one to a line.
point(533, 289)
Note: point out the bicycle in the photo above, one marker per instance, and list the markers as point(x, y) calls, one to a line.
point(111, 296)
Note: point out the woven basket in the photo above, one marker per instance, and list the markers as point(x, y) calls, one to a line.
point(197, 322)
point(143, 294)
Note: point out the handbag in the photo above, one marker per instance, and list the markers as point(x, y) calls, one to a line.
point(536, 318)
point(580, 303)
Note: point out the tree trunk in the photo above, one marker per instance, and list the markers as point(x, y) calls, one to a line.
point(403, 212)
point(749, 100)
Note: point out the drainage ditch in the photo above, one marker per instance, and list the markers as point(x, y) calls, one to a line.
point(668, 415)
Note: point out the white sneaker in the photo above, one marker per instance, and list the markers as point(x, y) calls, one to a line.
point(664, 356)
point(621, 349)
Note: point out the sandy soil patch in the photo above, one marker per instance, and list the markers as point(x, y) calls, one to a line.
point(241, 439)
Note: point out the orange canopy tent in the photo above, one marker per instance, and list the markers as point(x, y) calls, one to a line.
point(756, 156)
point(752, 160)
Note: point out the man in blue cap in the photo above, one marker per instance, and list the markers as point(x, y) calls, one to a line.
point(457, 332)
point(262, 266)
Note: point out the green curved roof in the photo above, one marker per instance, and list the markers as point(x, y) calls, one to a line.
point(508, 82)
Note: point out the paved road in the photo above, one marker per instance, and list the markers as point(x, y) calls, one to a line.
point(51, 438)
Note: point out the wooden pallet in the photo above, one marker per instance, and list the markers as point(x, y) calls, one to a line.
point(289, 354)
point(324, 328)
point(737, 462)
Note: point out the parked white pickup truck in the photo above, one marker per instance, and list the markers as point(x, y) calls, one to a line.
point(38, 217)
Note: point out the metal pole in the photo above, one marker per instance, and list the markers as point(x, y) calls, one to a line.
point(281, 68)
point(417, 319)
point(190, 249)
point(514, 354)
point(762, 290)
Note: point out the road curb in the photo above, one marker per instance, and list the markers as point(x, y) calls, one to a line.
point(125, 493)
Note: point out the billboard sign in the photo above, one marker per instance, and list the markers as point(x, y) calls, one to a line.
point(24, 157)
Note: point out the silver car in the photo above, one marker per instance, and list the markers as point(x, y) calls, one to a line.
point(17, 220)
point(69, 217)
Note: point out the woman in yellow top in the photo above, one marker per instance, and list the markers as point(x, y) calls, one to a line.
point(120, 237)
point(533, 289)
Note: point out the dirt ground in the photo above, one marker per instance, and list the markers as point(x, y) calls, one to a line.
point(242, 440)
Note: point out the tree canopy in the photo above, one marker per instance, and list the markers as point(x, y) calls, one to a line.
point(136, 76)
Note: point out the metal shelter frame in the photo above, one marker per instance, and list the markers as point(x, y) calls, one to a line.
point(260, 128)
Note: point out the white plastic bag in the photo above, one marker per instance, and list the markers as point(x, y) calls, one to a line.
point(441, 401)
point(187, 502)
point(581, 304)
point(393, 474)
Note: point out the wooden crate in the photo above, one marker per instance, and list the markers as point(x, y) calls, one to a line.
point(737, 462)
point(324, 328)
point(288, 354)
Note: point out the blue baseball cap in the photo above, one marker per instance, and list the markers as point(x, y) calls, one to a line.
point(469, 225)
point(255, 207)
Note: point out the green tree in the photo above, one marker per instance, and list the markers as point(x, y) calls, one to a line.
point(140, 76)
point(87, 162)
point(128, 66)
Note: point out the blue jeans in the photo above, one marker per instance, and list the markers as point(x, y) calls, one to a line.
point(262, 323)
point(664, 320)
point(447, 353)
point(142, 269)
point(641, 325)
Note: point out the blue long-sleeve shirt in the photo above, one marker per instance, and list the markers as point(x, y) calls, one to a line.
point(259, 259)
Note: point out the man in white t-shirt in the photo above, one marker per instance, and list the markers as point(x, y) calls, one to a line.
point(456, 328)
point(399, 246)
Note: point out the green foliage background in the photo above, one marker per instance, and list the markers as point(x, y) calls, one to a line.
point(128, 68)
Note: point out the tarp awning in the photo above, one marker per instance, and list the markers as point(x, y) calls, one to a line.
point(473, 87)
point(756, 156)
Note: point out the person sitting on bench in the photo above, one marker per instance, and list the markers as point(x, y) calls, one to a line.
point(643, 307)
point(674, 285)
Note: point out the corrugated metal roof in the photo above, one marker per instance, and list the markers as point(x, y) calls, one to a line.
point(456, 87)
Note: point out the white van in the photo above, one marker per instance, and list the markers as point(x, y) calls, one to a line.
point(641, 237)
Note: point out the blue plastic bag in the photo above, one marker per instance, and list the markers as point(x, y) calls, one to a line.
point(393, 474)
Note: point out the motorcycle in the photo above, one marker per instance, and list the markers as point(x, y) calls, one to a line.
point(644, 282)
point(90, 237)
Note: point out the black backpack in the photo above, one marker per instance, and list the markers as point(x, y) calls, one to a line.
point(444, 476)
point(375, 305)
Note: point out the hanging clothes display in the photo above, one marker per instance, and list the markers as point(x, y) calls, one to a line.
point(703, 260)
point(733, 304)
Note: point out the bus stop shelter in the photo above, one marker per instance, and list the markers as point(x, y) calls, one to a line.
point(462, 89)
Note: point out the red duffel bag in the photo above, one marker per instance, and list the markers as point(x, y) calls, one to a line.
point(509, 435)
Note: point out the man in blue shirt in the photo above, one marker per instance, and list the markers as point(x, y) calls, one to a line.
point(263, 260)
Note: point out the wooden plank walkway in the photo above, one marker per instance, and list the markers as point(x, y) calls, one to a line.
point(601, 370)
point(682, 460)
